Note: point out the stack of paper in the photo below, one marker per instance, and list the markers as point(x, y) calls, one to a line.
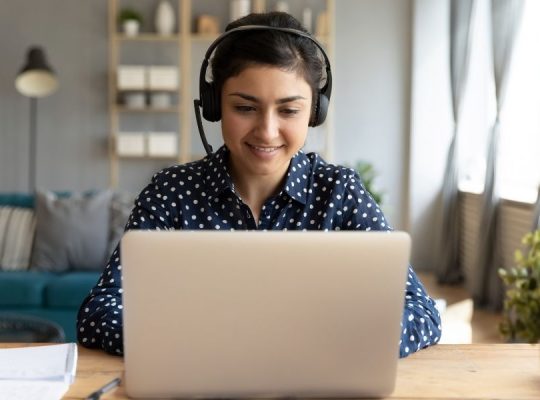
point(39, 372)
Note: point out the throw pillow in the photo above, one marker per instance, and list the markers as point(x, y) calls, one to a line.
point(17, 228)
point(72, 232)
point(121, 206)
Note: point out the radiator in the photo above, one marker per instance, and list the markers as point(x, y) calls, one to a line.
point(515, 220)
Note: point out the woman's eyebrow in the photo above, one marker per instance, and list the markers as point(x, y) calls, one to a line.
point(256, 100)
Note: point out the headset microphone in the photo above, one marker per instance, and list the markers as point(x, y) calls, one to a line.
point(207, 147)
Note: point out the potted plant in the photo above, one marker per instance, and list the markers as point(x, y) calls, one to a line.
point(367, 174)
point(521, 319)
point(130, 20)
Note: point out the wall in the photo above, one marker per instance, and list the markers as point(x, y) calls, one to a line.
point(431, 123)
point(72, 123)
point(372, 94)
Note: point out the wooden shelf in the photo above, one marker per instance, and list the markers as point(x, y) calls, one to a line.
point(147, 37)
point(172, 109)
point(203, 37)
point(151, 48)
point(147, 157)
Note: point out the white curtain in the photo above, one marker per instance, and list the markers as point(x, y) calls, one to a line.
point(461, 12)
point(505, 20)
point(536, 215)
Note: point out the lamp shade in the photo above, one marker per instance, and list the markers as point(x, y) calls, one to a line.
point(36, 78)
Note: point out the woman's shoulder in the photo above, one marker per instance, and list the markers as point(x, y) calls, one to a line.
point(190, 170)
point(322, 169)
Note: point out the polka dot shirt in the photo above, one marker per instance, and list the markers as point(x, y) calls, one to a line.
point(201, 195)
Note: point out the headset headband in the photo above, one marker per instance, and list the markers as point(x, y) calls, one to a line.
point(326, 89)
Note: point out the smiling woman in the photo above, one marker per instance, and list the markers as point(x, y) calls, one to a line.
point(269, 85)
point(265, 115)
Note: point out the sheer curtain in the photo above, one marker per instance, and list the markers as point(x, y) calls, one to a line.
point(460, 37)
point(505, 20)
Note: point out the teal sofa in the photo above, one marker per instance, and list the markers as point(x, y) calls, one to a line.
point(54, 296)
point(51, 296)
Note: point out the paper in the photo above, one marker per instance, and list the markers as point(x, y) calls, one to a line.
point(43, 372)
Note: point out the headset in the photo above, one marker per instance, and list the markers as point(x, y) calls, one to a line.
point(210, 98)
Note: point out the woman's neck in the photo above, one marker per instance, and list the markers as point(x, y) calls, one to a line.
point(255, 190)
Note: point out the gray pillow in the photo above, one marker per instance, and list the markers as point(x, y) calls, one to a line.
point(121, 205)
point(71, 232)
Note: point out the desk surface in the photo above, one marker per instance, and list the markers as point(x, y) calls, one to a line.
point(477, 371)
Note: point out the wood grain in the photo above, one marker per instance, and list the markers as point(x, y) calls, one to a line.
point(467, 372)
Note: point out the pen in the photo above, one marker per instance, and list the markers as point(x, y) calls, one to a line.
point(104, 389)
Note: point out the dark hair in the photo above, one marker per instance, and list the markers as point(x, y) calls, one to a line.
point(274, 48)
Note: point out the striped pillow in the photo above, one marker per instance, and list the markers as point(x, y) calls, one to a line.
point(17, 229)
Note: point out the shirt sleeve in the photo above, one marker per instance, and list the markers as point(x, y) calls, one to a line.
point(99, 320)
point(421, 321)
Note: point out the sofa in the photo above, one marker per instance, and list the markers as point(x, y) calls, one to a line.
point(47, 266)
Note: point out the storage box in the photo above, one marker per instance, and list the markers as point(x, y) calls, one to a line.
point(162, 144)
point(135, 100)
point(131, 77)
point(163, 78)
point(160, 100)
point(131, 144)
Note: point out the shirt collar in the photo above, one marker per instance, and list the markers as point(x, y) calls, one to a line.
point(216, 174)
point(217, 178)
point(297, 182)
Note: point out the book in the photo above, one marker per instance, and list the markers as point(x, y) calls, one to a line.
point(43, 372)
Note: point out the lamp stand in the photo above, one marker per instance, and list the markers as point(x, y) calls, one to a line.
point(32, 152)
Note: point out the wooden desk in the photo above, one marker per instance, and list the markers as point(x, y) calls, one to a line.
point(479, 371)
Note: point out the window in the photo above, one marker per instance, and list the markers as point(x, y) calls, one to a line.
point(518, 168)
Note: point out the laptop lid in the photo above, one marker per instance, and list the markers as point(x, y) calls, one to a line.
point(262, 314)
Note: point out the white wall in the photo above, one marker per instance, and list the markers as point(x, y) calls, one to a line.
point(431, 123)
point(372, 94)
point(392, 107)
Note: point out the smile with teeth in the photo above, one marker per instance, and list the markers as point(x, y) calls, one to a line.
point(264, 149)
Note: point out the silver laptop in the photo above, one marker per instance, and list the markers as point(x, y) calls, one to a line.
point(262, 314)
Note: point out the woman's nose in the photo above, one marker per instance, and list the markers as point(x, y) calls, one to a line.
point(268, 126)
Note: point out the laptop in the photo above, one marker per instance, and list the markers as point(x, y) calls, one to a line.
point(211, 314)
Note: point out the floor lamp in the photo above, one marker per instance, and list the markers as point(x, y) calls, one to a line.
point(35, 79)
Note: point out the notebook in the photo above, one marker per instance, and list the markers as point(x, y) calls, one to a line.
point(262, 314)
point(37, 372)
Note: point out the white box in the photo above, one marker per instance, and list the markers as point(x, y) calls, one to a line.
point(160, 100)
point(131, 144)
point(163, 144)
point(131, 77)
point(163, 78)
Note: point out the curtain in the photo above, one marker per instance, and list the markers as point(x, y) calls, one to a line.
point(536, 215)
point(505, 20)
point(448, 271)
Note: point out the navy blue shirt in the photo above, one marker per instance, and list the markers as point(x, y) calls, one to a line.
point(201, 195)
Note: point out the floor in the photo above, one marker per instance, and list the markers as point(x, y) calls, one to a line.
point(461, 322)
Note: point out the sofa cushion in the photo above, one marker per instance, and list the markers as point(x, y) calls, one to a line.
point(121, 205)
point(23, 288)
point(71, 233)
point(17, 228)
point(23, 200)
point(69, 290)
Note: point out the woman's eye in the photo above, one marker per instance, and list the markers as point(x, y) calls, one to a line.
point(244, 109)
point(290, 111)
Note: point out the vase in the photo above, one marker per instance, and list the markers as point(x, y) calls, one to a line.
point(239, 9)
point(164, 18)
point(131, 27)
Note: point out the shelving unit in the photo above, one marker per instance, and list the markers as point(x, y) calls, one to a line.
point(185, 43)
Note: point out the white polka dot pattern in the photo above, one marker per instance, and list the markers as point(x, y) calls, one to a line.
point(201, 195)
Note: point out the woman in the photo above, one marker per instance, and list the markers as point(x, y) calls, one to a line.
point(267, 86)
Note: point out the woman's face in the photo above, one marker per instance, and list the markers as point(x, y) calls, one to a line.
point(265, 114)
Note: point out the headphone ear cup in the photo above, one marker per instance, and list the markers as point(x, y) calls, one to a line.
point(321, 109)
point(211, 104)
